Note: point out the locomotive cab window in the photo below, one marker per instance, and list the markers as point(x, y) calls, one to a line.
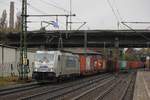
point(44, 57)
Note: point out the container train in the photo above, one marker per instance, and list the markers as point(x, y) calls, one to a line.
point(49, 65)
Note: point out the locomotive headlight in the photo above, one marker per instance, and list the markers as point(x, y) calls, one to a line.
point(36, 64)
point(51, 69)
point(36, 69)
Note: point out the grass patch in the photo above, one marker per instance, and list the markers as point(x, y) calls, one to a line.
point(5, 81)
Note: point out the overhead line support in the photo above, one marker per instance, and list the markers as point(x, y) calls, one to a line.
point(55, 15)
point(23, 66)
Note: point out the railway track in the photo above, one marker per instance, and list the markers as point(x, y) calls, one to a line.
point(100, 87)
point(129, 90)
point(23, 87)
point(60, 91)
point(116, 88)
point(119, 91)
point(33, 91)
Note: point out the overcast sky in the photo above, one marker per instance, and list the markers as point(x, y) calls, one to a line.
point(97, 13)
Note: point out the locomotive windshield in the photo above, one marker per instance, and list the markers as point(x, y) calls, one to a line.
point(44, 57)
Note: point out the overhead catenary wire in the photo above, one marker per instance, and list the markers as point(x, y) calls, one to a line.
point(137, 22)
point(147, 38)
point(55, 6)
point(121, 19)
point(40, 11)
point(109, 3)
point(116, 13)
point(34, 8)
point(117, 10)
point(119, 15)
point(60, 8)
point(117, 18)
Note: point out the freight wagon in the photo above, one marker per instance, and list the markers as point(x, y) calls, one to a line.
point(91, 63)
point(135, 64)
point(125, 66)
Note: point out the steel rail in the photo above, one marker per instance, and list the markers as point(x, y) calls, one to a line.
point(92, 89)
point(7, 91)
point(100, 77)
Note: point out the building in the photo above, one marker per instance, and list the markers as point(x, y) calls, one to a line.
point(11, 16)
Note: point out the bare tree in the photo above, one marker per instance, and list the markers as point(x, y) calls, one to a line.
point(3, 26)
point(18, 22)
point(3, 21)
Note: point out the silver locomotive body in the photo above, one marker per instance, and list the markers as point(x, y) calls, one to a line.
point(55, 64)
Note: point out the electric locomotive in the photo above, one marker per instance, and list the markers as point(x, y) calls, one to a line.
point(50, 65)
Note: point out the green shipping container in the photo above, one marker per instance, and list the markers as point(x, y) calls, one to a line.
point(122, 65)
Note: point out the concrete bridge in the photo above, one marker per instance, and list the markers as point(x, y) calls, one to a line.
point(82, 38)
